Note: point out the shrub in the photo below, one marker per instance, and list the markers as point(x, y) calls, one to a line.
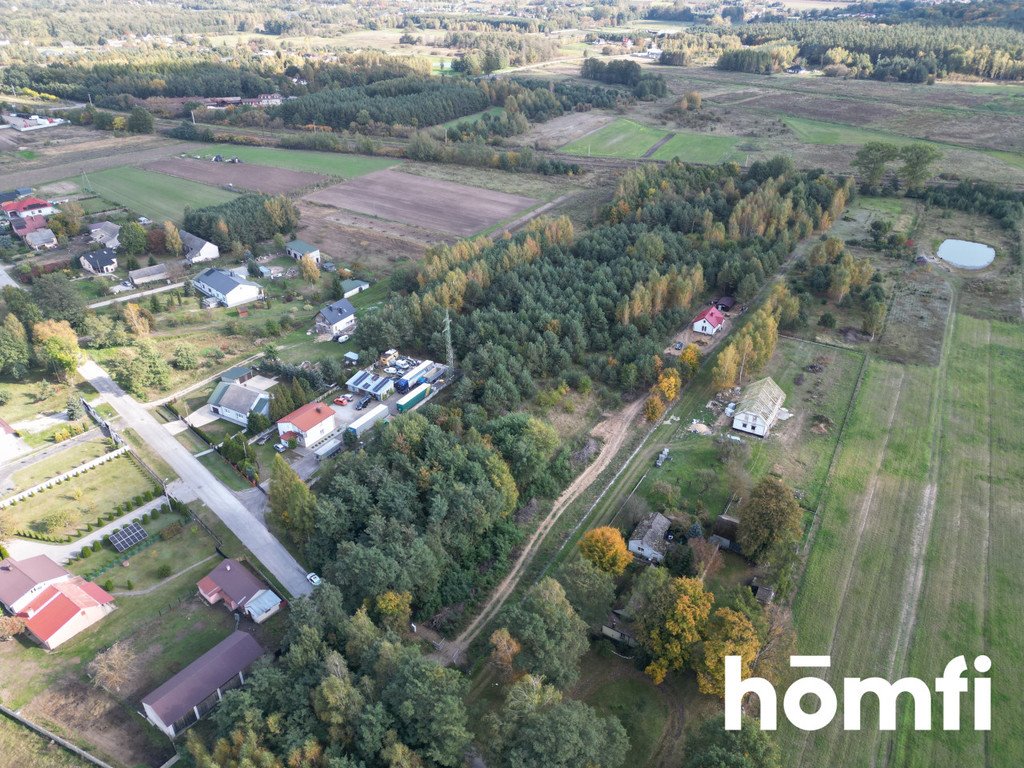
point(108, 585)
point(85, 552)
point(97, 545)
point(129, 584)
point(172, 530)
point(164, 571)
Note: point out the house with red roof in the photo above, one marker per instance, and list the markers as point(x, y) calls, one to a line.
point(21, 581)
point(27, 208)
point(709, 321)
point(64, 609)
point(307, 425)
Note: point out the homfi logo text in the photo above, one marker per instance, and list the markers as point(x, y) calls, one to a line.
point(951, 686)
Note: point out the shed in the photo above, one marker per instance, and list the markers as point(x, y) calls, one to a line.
point(350, 288)
point(299, 248)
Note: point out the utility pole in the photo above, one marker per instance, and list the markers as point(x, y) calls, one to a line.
point(193, 113)
point(449, 350)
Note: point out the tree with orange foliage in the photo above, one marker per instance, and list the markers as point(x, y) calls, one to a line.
point(668, 384)
point(606, 549)
point(504, 649)
point(654, 408)
point(671, 617)
point(729, 633)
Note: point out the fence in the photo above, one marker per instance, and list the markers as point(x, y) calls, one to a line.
point(54, 737)
point(66, 476)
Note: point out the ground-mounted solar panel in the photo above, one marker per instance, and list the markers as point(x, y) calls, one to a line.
point(128, 537)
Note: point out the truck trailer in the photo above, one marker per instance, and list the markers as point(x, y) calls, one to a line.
point(414, 398)
point(367, 420)
point(412, 377)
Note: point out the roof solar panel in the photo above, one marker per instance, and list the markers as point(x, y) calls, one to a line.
point(128, 537)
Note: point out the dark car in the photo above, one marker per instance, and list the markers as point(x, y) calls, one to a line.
point(363, 403)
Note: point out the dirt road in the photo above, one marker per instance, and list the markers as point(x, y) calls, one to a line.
point(613, 432)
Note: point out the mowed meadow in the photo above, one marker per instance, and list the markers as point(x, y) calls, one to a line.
point(915, 561)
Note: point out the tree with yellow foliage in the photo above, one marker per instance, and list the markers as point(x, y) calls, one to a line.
point(654, 407)
point(606, 549)
point(135, 318)
point(393, 610)
point(668, 384)
point(689, 360)
point(726, 368)
point(729, 633)
point(310, 269)
point(671, 618)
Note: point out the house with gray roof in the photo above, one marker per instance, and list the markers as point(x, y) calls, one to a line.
point(39, 239)
point(759, 407)
point(234, 402)
point(106, 233)
point(196, 249)
point(194, 691)
point(350, 288)
point(336, 318)
point(648, 539)
point(146, 275)
point(227, 289)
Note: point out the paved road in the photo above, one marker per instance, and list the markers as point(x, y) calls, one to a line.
point(6, 279)
point(200, 482)
point(133, 296)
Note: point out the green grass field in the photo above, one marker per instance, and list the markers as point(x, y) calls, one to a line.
point(21, 746)
point(61, 462)
point(328, 163)
point(620, 138)
point(639, 708)
point(472, 118)
point(822, 132)
point(155, 195)
point(699, 148)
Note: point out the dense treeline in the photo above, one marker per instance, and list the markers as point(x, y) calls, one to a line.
point(487, 52)
point(414, 101)
point(759, 60)
point(981, 51)
point(683, 50)
point(545, 304)
point(246, 219)
point(621, 72)
point(1002, 13)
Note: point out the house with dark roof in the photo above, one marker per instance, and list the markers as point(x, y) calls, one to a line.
point(336, 318)
point(350, 288)
point(235, 585)
point(307, 425)
point(227, 289)
point(196, 249)
point(21, 581)
point(709, 321)
point(724, 303)
point(234, 402)
point(648, 539)
point(299, 248)
point(194, 691)
point(102, 262)
point(369, 383)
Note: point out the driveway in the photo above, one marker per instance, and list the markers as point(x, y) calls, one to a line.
point(200, 483)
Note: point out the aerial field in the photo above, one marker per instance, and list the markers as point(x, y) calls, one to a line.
point(699, 148)
point(433, 204)
point(155, 195)
point(258, 178)
point(620, 138)
point(326, 163)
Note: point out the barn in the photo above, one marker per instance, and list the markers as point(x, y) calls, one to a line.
point(759, 408)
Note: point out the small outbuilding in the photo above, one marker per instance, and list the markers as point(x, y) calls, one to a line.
point(648, 539)
point(239, 589)
point(350, 288)
point(299, 248)
point(724, 303)
point(759, 407)
point(146, 275)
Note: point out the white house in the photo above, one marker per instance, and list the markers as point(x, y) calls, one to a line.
point(197, 249)
point(105, 232)
point(307, 425)
point(234, 402)
point(648, 538)
point(759, 408)
point(709, 321)
point(21, 581)
point(350, 288)
point(299, 248)
point(27, 208)
point(227, 289)
point(336, 318)
point(99, 262)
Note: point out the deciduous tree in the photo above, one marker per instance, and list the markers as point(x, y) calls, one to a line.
point(552, 636)
point(749, 747)
point(590, 590)
point(291, 502)
point(729, 633)
point(769, 517)
point(606, 549)
point(671, 616)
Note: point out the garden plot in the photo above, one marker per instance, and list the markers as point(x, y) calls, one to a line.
point(441, 206)
point(259, 178)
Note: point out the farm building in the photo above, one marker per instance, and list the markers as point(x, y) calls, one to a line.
point(307, 425)
point(350, 288)
point(106, 233)
point(24, 122)
point(709, 321)
point(227, 289)
point(197, 249)
point(99, 262)
point(21, 581)
point(299, 248)
point(236, 586)
point(759, 407)
point(195, 690)
point(648, 538)
point(234, 402)
point(369, 383)
point(336, 318)
point(146, 275)
point(39, 239)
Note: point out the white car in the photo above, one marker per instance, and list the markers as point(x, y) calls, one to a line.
point(343, 338)
point(313, 579)
point(280, 447)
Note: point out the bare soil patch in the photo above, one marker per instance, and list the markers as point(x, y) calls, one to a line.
point(351, 238)
point(561, 130)
point(259, 178)
point(438, 205)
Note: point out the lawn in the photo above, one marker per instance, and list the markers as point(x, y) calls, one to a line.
point(223, 471)
point(34, 395)
point(58, 463)
point(822, 132)
point(641, 710)
point(620, 138)
point(328, 163)
point(155, 195)
point(699, 148)
point(23, 747)
point(472, 118)
point(95, 493)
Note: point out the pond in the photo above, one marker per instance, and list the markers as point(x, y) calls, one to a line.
point(965, 254)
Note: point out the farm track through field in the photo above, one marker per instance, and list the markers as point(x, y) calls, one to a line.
point(658, 145)
point(614, 430)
